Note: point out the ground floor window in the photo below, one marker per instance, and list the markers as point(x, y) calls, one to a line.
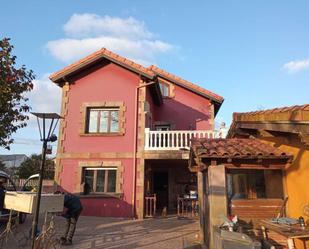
point(99, 180)
point(254, 184)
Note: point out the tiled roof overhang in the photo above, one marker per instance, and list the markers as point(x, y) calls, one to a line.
point(151, 73)
point(103, 53)
point(233, 150)
point(294, 119)
point(217, 99)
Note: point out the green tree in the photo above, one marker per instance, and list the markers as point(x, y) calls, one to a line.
point(32, 166)
point(14, 83)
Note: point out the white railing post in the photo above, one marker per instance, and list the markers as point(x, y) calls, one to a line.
point(174, 140)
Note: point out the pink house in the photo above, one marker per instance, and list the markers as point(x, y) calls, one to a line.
point(126, 133)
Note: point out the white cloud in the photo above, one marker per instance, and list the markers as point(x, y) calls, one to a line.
point(86, 33)
point(45, 97)
point(296, 66)
point(92, 25)
point(67, 50)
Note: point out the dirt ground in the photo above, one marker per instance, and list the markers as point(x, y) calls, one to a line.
point(100, 232)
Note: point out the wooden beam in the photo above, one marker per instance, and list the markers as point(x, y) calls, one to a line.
point(287, 126)
point(265, 133)
point(254, 166)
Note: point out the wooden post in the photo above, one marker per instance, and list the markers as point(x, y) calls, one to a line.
point(201, 201)
point(290, 243)
point(217, 199)
point(146, 204)
point(178, 206)
point(154, 204)
point(264, 233)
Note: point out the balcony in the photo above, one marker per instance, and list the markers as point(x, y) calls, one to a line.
point(174, 140)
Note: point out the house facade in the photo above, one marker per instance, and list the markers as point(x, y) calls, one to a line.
point(126, 134)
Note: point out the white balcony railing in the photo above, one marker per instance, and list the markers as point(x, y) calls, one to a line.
point(173, 140)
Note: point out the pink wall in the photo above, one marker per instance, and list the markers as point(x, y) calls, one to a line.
point(112, 207)
point(106, 207)
point(185, 110)
point(109, 83)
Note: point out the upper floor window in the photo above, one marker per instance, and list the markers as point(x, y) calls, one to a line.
point(165, 89)
point(103, 120)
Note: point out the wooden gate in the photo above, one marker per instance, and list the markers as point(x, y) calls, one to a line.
point(150, 206)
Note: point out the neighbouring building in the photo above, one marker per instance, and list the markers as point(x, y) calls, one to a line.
point(126, 133)
point(288, 130)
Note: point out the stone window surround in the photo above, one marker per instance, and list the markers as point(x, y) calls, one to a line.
point(103, 104)
point(101, 164)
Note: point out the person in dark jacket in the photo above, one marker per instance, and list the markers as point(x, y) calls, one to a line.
point(73, 208)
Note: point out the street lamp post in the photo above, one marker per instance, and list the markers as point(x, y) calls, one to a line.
point(45, 136)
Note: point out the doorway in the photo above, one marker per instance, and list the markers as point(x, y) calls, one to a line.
point(160, 188)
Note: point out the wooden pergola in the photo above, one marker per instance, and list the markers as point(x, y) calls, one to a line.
point(211, 159)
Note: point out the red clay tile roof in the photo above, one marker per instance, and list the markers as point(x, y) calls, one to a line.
point(186, 83)
point(149, 72)
point(102, 53)
point(291, 113)
point(248, 148)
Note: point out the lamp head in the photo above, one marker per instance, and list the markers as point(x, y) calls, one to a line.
point(53, 138)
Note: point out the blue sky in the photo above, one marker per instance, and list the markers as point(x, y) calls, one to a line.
point(253, 53)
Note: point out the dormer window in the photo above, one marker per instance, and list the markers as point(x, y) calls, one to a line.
point(165, 89)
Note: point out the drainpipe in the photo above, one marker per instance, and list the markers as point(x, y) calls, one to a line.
point(135, 144)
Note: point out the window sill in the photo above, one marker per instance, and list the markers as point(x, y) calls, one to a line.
point(102, 195)
point(101, 134)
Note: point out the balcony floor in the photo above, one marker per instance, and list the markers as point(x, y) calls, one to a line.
point(165, 154)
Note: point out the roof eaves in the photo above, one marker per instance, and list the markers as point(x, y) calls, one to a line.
point(188, 85)
point(209, 96)
point(58, 76)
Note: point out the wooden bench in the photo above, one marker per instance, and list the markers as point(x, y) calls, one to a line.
point(251, 210)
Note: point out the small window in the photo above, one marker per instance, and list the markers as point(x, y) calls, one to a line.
point(254, 184)
point(99, 180)
point(103, 120)
point(165, 89)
